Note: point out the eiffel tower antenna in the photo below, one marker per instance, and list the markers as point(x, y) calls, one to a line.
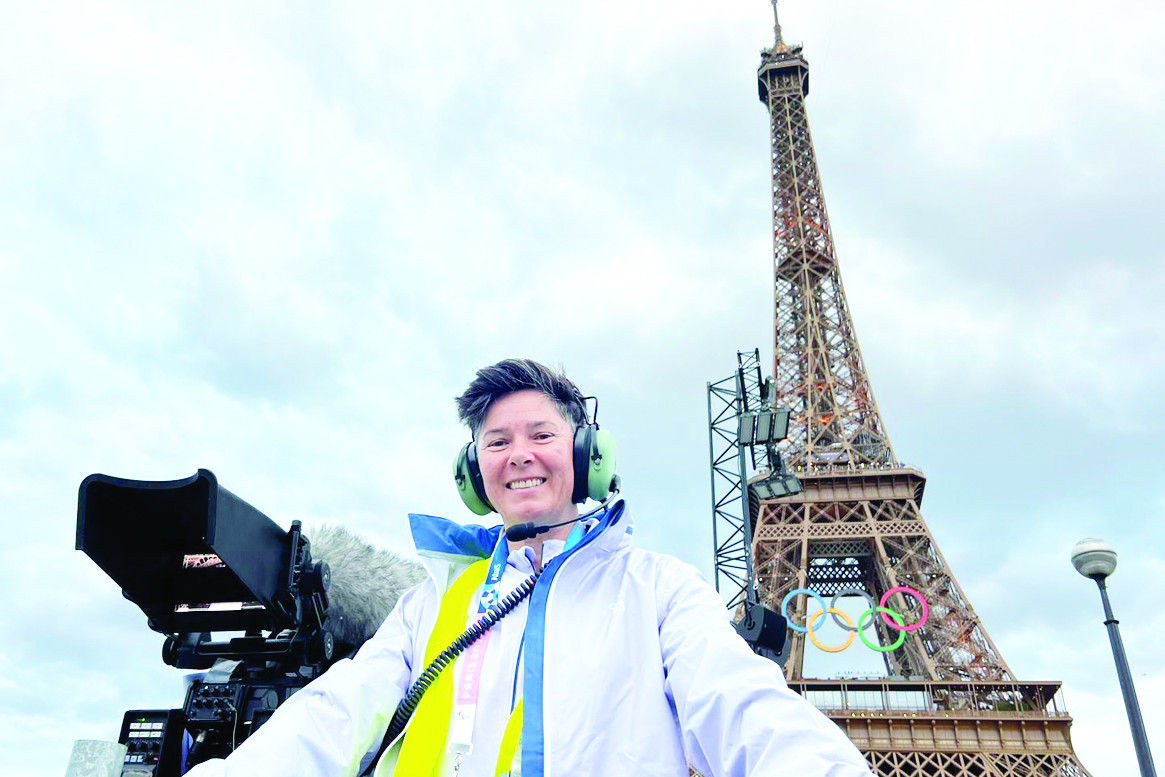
point(947, 704)
point(777, 42)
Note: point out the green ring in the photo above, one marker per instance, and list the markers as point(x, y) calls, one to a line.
point(873, 611)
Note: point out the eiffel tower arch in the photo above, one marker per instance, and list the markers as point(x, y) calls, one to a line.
point(947, 704)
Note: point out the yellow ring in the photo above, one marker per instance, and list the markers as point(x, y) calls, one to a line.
point(835, 611)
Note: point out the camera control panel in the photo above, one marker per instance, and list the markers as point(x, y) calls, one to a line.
point(215, 705)
point(152, 739)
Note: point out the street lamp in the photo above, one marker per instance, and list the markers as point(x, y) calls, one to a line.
point(1096, 559)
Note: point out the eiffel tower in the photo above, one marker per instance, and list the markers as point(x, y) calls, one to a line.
point(948, 704)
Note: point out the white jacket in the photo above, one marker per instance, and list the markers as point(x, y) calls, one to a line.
point(629, 666)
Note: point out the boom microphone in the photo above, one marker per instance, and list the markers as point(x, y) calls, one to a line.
point(528, 531)
point(365, 582)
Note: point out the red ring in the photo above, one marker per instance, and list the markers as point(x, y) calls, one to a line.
point(906, 590)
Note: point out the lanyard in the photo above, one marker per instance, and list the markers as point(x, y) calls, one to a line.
point(466, 690)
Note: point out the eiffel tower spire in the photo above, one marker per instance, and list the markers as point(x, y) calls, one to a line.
point(778, 43)
point(948, 704)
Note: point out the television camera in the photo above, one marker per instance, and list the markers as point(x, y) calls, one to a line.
point(236, 596)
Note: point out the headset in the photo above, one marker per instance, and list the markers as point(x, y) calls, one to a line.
point(594, 466)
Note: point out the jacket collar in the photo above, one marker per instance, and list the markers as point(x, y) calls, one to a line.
point(446, 547)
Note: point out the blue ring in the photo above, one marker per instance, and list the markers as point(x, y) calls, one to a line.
point(785, 606)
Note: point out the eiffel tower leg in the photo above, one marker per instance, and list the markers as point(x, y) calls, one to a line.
point(949, 705)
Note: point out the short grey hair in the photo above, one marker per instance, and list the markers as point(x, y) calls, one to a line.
point(510, 375)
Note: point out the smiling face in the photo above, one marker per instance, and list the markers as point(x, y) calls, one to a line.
point(525, 450)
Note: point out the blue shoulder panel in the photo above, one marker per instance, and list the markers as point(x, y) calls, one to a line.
point(440, 535)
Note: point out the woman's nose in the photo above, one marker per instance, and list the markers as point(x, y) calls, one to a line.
point(519, 453)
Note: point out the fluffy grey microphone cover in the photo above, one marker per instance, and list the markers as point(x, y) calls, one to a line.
point(366, 581)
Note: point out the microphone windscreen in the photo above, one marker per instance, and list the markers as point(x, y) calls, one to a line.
point(524, 531)
point(366, 581)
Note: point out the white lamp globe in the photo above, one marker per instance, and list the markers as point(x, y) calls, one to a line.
point(1093, 557)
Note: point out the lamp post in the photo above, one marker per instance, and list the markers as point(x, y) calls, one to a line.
point(1096, 559)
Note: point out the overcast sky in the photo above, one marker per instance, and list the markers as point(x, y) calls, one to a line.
point(275, 241)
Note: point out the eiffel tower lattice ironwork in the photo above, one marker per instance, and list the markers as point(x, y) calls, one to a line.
point(949, 704)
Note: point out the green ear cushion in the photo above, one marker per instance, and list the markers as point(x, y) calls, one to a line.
point(464, 480)
point(600, 473)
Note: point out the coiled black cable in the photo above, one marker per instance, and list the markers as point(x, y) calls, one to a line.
point(408, 705)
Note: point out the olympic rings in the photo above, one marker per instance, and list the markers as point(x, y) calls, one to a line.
point(873, 612)
point(836, 612)
point(893, 620)
point(785, 606)
point(854, 591)
point(906, 590)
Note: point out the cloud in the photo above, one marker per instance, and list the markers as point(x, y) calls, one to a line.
point(1087, 340)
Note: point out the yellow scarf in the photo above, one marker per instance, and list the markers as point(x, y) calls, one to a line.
point(424, 740)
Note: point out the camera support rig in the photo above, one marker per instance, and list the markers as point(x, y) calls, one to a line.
point(302, 604)
point(197, 560)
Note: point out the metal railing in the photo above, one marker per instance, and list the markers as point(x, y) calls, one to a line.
point(1009, 699)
